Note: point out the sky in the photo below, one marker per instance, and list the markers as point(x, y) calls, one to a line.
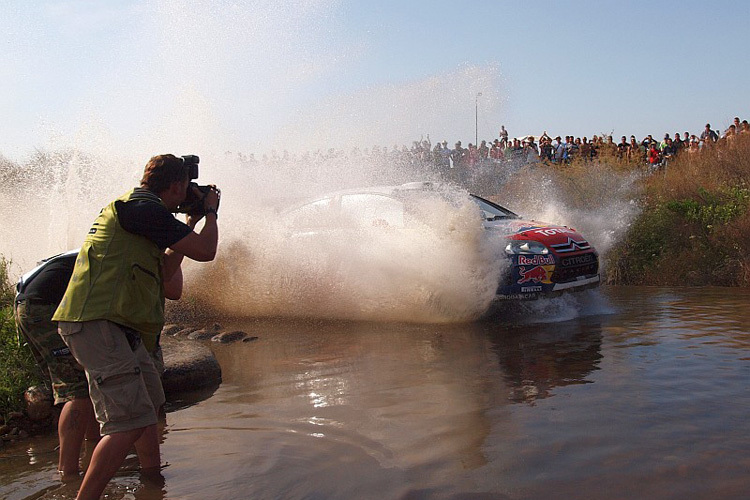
point(256, 75)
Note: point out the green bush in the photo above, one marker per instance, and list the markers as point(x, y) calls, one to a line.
point(696, 227)
point(648, 242)
point(713, 209)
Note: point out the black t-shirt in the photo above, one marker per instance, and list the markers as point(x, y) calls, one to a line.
point(152, 220)
point(141, 217)
point(49, 284)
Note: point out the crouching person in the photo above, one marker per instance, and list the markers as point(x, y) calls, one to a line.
point(38, 294)
point(113, 308)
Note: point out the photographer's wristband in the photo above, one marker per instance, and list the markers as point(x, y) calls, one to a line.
point(212, 211)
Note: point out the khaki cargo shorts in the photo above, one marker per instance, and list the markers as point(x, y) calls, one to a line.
point(124, 384)
point(34, 320)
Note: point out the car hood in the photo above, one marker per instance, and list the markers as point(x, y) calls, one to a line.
point(559, 239)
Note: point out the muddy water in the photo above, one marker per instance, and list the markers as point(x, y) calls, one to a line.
point(626, 393)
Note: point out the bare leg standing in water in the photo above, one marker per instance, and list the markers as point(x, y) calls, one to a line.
point(108, 455)
point(76, 422)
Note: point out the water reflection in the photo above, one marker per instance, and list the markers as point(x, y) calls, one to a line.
point(648, 400)
point(418, 400)
point(535, 360)
point(378, 386)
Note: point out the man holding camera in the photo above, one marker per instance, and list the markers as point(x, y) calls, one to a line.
point(113, 309)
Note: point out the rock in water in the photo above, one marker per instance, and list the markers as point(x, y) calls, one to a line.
point(38, 403)
point(170, 329)
point(188, 366)
point(184, 332)
point(227, 337)
point(205, 333)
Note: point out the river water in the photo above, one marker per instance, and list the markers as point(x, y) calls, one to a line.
point(621, 393)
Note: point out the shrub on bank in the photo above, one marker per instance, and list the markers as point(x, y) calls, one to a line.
point(695, 225)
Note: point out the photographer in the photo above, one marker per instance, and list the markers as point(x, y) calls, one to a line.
point(113, 309)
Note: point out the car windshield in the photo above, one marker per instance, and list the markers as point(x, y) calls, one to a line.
point(385, 210)
point(373, 210)
point(491, 211)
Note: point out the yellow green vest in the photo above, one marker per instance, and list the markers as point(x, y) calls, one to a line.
point(117, 277)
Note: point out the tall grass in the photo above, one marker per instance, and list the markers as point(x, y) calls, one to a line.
point(695, 226)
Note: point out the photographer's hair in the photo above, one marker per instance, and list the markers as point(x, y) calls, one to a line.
point(161, 171)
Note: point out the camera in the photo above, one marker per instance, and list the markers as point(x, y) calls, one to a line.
point(191, 162)
point(193, 204)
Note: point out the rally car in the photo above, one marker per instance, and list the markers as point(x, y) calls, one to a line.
point(544, 259)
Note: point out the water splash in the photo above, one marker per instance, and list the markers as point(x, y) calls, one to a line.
point(443, 267)
point(596, 199)
point(226, 80)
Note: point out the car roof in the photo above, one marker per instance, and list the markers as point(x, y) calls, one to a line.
point(398, 189)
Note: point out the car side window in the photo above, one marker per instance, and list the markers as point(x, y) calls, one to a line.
point(312, 215)
point(372, 210)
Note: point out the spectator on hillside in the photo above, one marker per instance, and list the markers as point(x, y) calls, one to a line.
point(574, 148)
point(694, 144)
point(737, 124)
point(503, 136)
point(496, 151)
point(457, 155)
point(677, 142)
point(669, 150)
point(622, 148)
point(445, 154)
point(585, 148)
point(730, 134)
point(546, 150)
point(472, 156)
point(633, 148)
point(531, 145)
point(708, 135)
point(559, 148)
point(606, 148)
point(507, 150)
point(483, 150)
point(425, 152)
point(441, 156)
point(511, 149)
point(654, 158)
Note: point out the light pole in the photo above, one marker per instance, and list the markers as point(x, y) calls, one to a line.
point(476, 119)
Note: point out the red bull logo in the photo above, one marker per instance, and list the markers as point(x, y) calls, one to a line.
point(535, 260)
point(536, 274)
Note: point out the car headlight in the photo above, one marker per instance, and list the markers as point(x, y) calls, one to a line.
point(515, 247)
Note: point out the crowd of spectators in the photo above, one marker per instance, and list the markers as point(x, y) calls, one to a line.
point(505, 153)
point(560, 150)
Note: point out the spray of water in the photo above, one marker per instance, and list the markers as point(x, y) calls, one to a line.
point(237, 83)
point(442, 267)
point(597, 200)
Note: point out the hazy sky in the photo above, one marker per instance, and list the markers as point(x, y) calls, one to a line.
point(253, 75)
